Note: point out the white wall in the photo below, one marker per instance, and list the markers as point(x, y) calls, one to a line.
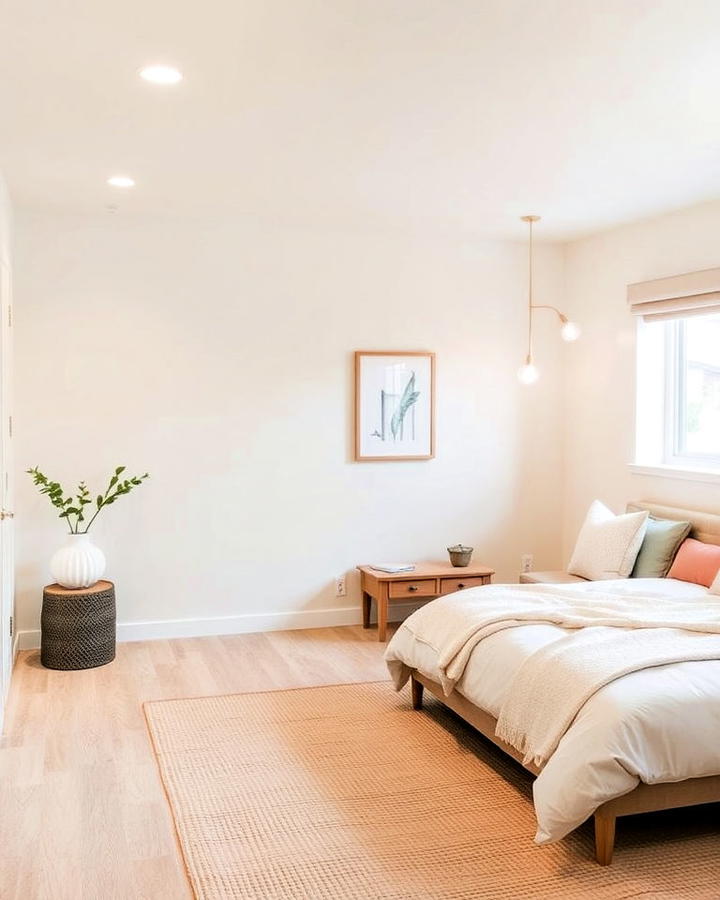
point(218, 356)
point(600, 378)
point(5, 223)
point(6, 480)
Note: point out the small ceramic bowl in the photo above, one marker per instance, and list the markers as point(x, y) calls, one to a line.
point(460, 556)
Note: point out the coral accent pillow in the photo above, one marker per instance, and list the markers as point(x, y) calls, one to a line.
point(696, 562)
point(607, 545)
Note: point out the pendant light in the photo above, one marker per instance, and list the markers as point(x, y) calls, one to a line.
point(569, 331)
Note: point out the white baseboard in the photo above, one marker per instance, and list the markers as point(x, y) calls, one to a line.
point(29, 639)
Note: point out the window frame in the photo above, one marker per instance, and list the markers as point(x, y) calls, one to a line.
point(675, 452)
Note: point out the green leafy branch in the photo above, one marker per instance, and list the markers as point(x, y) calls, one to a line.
point(409, 397)
point(72, 507)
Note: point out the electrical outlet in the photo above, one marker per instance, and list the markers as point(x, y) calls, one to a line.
point(340, 586)
point(526, 562)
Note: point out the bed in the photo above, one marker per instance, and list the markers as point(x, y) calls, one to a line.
point(646, 741)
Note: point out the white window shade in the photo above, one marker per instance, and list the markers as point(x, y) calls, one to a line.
point(679, 296)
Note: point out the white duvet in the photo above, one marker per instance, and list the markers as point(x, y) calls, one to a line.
point(656, 725)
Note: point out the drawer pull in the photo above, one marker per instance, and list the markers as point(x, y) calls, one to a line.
point(461, 586)
point(412, 587)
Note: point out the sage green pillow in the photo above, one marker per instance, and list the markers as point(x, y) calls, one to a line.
point(662, 541)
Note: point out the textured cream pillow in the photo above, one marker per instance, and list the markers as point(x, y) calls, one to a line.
point(607, 544)
point(715, 586)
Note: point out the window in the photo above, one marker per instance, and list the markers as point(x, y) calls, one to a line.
point(695, 382)
point(678, 402)
point(678, 376)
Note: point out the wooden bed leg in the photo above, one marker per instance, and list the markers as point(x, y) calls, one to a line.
point(604, 838)
point(417, 693)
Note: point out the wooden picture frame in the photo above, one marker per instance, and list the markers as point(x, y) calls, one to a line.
point(394, 405)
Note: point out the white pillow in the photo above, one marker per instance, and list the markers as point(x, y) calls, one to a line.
point(607, 544)
point(715, 586)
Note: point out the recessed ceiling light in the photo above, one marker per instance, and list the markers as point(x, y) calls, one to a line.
point(121, 181)
point(161, 74)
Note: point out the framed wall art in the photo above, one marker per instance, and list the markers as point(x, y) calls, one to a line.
point(394, 405)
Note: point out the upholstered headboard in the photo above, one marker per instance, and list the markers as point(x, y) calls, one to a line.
point(706, 526)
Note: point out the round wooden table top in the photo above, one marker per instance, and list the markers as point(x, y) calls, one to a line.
point(96, 588)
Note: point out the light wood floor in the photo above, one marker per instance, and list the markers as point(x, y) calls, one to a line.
point(82, 811)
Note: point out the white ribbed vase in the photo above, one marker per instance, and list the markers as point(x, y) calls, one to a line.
point(79, 563)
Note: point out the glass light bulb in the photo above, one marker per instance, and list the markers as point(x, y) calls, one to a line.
point(121, 181)
point(528, 374)
point(158, 74)
point(570, 331)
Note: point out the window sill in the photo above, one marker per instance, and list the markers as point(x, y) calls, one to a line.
point(659, 471)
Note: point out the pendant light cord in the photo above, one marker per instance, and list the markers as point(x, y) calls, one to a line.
point(569, 331)
point(530, 292)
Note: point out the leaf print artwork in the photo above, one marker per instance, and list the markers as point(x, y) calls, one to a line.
point(394, 415)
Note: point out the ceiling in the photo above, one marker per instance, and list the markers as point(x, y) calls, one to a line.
point(444, 114)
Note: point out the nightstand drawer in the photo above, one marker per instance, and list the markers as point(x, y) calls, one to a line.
point(422, 587)
point(450, 585)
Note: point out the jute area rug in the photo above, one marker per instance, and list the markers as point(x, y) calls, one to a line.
point(345, 792)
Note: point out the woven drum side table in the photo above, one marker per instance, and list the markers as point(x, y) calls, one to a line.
point(78, 626)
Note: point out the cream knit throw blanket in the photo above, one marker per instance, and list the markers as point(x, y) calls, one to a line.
point(610, 636)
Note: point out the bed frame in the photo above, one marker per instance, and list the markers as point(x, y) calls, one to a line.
point(645, 797)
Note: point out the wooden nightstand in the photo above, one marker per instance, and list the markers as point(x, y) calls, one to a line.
point(426, 582)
